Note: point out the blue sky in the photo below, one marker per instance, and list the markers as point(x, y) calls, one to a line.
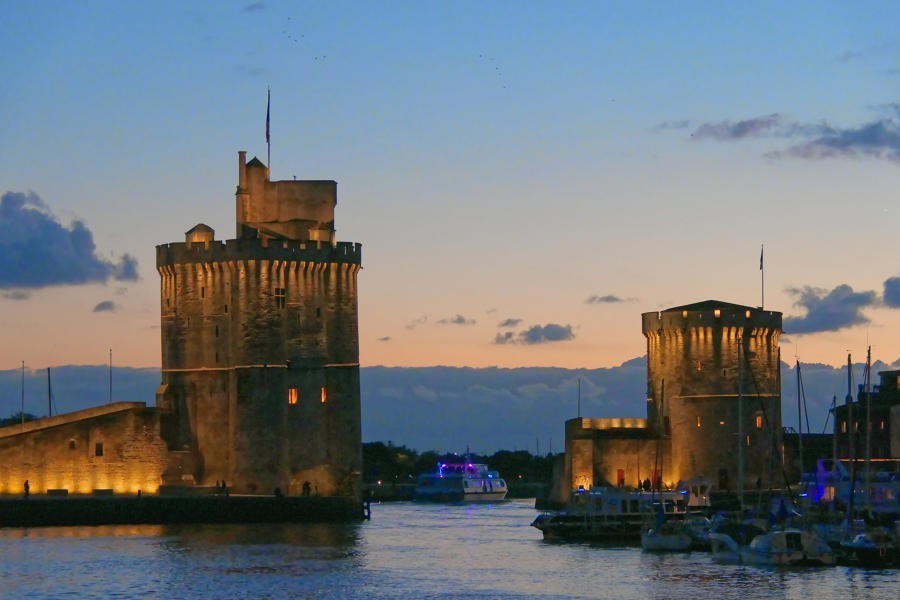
point(557, 168)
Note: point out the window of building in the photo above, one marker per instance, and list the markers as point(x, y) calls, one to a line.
point(226, 309)
point(748, 440)
point(98, 449)
point(324, 395)
point(843, 426)
point(71, 444)
point(217, 331)
point(217, 358)
point(717, 313)
point(759, 421)
point(699, 423)
point(319, 311)
point(279, 297)
point(721, 421)
point(881, 425)
point(203, 292)
point(293, 395)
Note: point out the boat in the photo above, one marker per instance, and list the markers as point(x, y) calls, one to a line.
point(611, 514)
point(669, 536)
point(874, 548)
point(460, 482)
point(781, 547)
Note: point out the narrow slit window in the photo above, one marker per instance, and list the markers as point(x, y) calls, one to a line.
point(324, 395)
point(759, 421)
point(293, 395)
point(98, 449)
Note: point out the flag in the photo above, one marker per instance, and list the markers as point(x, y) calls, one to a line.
point(760, 248)
point(268, 105)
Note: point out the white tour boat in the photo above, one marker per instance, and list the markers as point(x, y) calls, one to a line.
point(460, 482)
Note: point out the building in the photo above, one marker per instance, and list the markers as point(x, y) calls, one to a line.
point(713, 406)
point(260, 366)
point(875, 411)
point(260, 343)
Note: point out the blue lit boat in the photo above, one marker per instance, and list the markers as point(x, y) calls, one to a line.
point(460, 482)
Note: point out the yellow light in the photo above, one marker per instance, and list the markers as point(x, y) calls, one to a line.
point(293, 395)
point(324, 395)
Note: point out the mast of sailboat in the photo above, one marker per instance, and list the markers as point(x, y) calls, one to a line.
point(868, 424)
point(851, 452)
point(740, 425)
point(49, 395)
point(23, 395)
point(579, 397)
point(799, 420)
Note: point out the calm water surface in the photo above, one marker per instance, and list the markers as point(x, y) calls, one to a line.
point(406, 551)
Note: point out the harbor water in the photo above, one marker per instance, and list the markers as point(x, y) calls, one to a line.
point(406, 551)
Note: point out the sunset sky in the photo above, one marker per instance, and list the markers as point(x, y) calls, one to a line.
point(526, 178)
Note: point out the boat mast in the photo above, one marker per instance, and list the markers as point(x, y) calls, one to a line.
point(740, 425)
point(49, 395)
point(851, 452)
point(799, 420)
point(868, 424)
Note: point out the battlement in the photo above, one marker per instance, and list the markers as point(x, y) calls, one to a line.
point(712, 313)
point(72, 417)
point(258, 249)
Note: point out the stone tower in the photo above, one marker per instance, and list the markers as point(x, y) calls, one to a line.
point(260, 344)
point(697, 390)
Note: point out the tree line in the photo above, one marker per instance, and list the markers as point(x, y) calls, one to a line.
point(388, 463)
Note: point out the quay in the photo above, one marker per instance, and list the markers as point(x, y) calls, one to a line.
point(45, 511)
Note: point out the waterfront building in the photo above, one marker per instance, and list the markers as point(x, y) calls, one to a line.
point(713, 406)
point(260, 366)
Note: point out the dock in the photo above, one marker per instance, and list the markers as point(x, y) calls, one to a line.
point(48, 510)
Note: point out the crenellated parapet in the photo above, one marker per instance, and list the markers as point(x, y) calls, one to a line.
point(258, 249)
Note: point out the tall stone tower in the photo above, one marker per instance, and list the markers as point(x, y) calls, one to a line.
point(710, 365)
point(260, 344)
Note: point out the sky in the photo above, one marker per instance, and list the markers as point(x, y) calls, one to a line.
point(525, 178)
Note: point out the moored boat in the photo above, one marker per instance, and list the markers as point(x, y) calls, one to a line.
point(611, 514)
point(460, 482)
point(781, 547)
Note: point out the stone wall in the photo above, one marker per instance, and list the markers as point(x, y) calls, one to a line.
point(116, 446)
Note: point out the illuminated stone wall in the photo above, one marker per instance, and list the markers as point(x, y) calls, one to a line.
point(693, 389)
point(260, 344)
point(115, 446)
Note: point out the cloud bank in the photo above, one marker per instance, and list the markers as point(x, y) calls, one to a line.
point(879, 138)
point(537, 334)
point(39, 252)
point(828, 310)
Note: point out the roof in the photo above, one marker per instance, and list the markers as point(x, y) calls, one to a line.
point(255, 162)
point(198, 228)
point(709, 305)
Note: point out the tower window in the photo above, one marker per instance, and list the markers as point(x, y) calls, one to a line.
point(759, 421)
point(717, 313)
point(203, 292)
point(293, 395)
point(843, 426)
point(699, 424)
point(98, 449)
point(226, 309)
point(319, 311)
point(71, 444)
point(324, 394)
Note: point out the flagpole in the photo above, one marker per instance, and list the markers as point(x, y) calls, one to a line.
point(268, 143)
point(762, 278)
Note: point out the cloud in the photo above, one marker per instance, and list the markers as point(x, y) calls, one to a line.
point(537, 334)
point(736, 130)
point(607, 299)
point(16, 295)
point(456, 320)
point(509, 322)
point(828, 310)
point(849, 56)
point(105, 306)
point(39, 252)
point(892, 292)
point(386, 338)
point(669, 125)
point(416, 322)
point(507, 337)
point(255, 7)
point(879, 138)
